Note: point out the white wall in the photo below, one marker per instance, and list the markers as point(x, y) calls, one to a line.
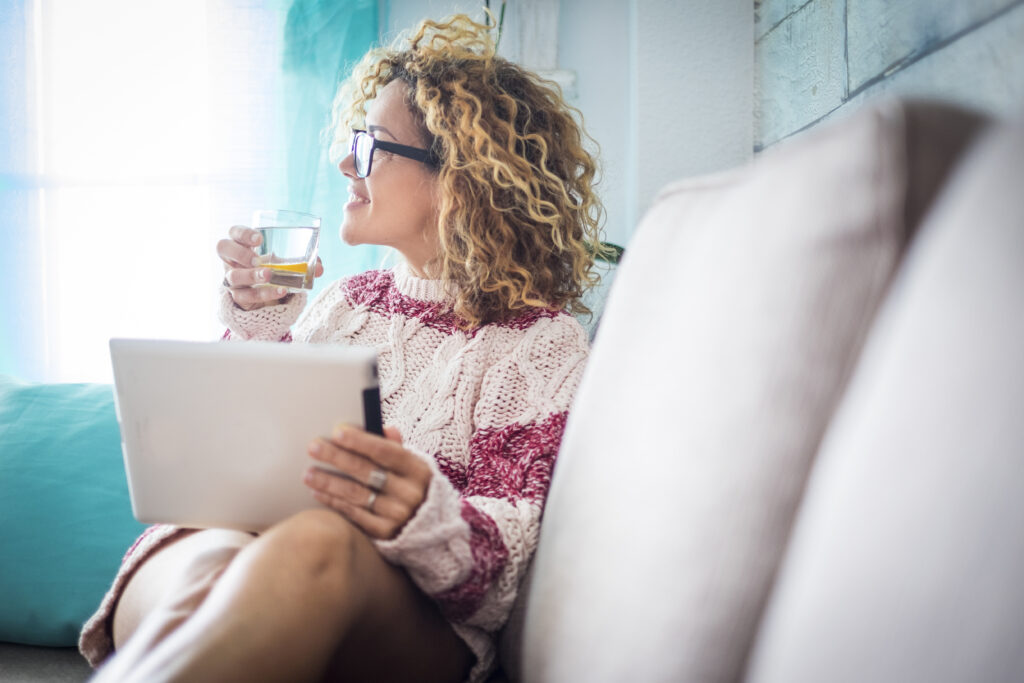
point(665, 87)
point(594, 43)
point(692, 81)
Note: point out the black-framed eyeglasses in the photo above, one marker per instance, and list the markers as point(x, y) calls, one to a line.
point(364, 144)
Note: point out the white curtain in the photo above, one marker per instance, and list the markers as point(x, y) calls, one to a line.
point(136, 133)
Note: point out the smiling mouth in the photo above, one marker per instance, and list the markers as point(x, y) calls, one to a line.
point(354, 198)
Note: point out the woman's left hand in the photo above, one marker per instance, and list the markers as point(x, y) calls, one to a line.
point(382, 485)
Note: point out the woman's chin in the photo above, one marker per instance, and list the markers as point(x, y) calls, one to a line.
point(350, 236)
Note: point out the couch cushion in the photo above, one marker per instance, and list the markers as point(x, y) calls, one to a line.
point(908, 555)
point(65, 515)
point(735, 320)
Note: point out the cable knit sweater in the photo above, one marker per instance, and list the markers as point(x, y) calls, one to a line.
point(485, 408)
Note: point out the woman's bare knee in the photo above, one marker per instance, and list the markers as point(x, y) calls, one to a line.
point(319, 545)
point(332, 563)
point(179, 570)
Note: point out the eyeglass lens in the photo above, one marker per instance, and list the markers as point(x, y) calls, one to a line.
point(362, 145)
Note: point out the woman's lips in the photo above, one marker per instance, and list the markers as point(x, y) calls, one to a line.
point(356, 200)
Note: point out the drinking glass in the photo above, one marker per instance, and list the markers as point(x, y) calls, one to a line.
point(288, 249)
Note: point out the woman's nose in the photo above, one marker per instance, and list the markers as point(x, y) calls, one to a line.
point(348, 166)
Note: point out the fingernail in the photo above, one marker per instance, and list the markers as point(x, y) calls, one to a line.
point(255, 239)
point(260, 275)
point(282, 291)
point(339, 433)
point(308, 477)
point(255, 261)
point(314, 448)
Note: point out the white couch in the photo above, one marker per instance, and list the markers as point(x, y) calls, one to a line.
point(798, 450)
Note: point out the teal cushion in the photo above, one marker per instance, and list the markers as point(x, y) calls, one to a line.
point(65, 514)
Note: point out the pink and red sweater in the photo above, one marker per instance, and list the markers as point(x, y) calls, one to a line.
point(485, 408)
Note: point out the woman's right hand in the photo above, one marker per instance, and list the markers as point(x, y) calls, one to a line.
point(242, 274)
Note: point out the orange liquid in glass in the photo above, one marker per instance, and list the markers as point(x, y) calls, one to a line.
point(302, 268)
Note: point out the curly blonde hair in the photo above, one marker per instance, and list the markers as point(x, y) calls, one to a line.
point(519, 220)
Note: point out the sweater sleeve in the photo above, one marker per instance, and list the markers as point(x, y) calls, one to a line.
point(471, 540)
point(270, 323)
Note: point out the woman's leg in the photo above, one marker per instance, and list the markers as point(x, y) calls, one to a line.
point(166, 590)
point(308, 597)
point(180, 573)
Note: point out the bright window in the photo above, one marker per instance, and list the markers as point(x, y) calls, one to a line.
point(149, 128)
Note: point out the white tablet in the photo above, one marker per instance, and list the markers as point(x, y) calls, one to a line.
point(214, 434)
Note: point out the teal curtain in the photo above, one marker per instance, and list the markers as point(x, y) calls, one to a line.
point(323, 39)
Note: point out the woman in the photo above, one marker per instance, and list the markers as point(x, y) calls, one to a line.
point(474, 171)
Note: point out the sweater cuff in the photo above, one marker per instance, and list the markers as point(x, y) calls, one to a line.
point(433, 546)
point(270, 323)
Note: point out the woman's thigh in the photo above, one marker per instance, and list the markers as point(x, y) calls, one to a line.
point(394, 631)
point(183, 568)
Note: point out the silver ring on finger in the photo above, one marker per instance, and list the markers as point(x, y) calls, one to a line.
point(370, 501)
point(377, 480)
